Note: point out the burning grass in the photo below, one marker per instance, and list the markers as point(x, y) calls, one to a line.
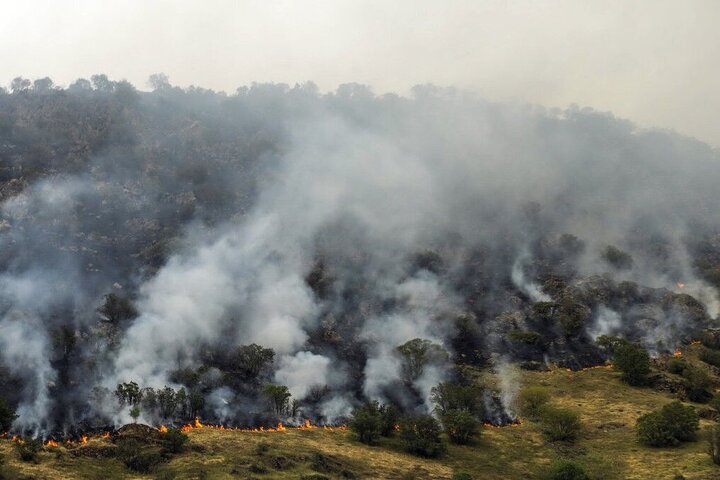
point(606, 447)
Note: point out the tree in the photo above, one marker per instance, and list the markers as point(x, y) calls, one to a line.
point(19, 85)
point(135, 413)
point(196, 402)
point(252, 359)
point(279, 398)
point(102, 83)
point(698, 384)
point(617, 258)
point(117, 309)
point(531, 400)
point(560, 424)
point(7, 416)
point(43, 85)
point(167, 402)
point(421, 434)
point(452, 396)
point(149, 399)
point(668, 427)
point(159, 81)
point(366, 422)
point(460, 425)
point(128, 393)
point(633, 361)
point(417, 354)
point(174, 440)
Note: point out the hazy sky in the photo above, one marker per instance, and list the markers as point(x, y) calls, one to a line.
point(655, 62)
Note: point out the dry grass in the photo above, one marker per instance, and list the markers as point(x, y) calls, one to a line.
point(607, 446)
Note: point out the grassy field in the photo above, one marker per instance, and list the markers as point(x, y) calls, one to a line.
point(607, 446)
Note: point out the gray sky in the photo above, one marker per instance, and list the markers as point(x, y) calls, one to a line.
point(655, 62)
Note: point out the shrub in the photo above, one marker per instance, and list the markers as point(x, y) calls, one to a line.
point(566, 470)
point(421, 434)
point(560, 423)
point(715, 402)
point(531, 400)
point(7, 416)
point(460, 426)
point(676, 366)
point(672, 424)
point(367, 422)
point(418, 353)
point(633, 361)
point(28, 449)
point(174, 440)
point(711, 357)
point(714, 440)
point(389, 417)
point(697, 384)
point(140, 460)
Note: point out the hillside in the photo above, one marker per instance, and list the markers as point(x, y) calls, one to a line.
point(607, 446)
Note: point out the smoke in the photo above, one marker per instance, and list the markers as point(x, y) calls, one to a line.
point(335, 228)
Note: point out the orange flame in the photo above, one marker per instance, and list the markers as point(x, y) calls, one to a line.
point(52, 443)
point(106, 435)
point(680, 285)
point(84, 439)
point(677, 354)
point(162, 429)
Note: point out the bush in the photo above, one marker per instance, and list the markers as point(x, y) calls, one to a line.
point(617, 258)
point(421, 434)
point(28, 449)
point(697, 384)
point(389, 417)
point(452, 396)
point(367, 422)
point(566, 470)
point(174, 440)
point(140, 460)
point(7, 416)
point(531, 400)
point(460, 426)
point(711, 357)
point(524, 336)
point(633, 361)
point(676, 366)
point(714, 440)
point(560, 423)
point(672, 424)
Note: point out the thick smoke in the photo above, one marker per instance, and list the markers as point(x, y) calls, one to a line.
point(408, 213)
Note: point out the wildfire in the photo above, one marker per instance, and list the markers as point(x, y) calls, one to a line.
point(106, 435)
point(677, 354)
point(84, 440)
point(515, 423)
point(306, 425)
point(162, 429)
point(52, 443)
point(695, 342)
point(680, 285)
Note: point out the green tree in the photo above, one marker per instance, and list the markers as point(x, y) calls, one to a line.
point(452, 396)
point(460, 425)
point(421, 434)
point(128, 393)
point(417, 354)
point(633, 361)
point(167, 401)
point(251, 360)
point(279, 398)
point(135, 413)
point(366, 422)
point(668, 427)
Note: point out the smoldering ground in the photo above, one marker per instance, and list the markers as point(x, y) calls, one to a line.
point(333, 228)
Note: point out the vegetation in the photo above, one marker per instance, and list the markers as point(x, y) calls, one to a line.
point(566, 470)
point(560, 424)
point(668, 427)
point(617, 258)
point(633, 361)
point(531, 400)
point(7, 416)
point(28, 449)
point(416, 354)
point(366, 422)
point(461, 426)
point(421, 435)
point(278, 396)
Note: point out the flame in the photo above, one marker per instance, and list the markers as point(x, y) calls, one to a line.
point(695, 342)
point(197, 423)
point(106, 435)
point(515, 423)
point(84, 439)
point(162, 429)
point(680, 285)
point(52, 443)
point(677, 354)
